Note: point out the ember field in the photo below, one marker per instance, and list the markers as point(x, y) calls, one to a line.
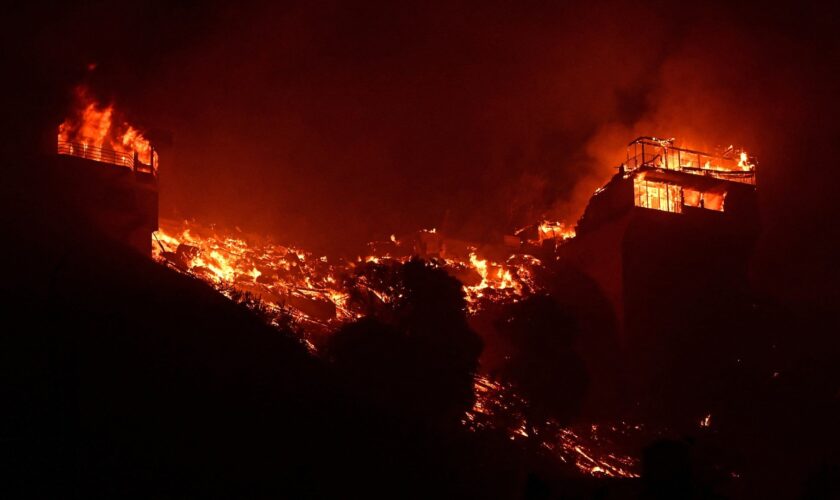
point(319, 296)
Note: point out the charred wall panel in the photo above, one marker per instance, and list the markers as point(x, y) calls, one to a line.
point(112, 200)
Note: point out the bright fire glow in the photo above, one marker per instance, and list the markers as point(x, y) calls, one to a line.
point(664, 154)
point(549, 230)
point(90, 132)
point(657, 195)
point(314, 289)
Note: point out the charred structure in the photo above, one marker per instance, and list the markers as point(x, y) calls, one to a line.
point(664, 230)
point(118, 198)
point(667, 240)
point(107, 173)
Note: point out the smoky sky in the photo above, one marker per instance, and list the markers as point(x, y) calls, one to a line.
point(330, 124)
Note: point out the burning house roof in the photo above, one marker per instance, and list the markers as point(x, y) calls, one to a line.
point(660, 176)
point(92, 132)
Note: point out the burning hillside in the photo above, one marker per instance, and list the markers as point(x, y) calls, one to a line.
point(319, 292)
point(321, 295)
point(592, 449)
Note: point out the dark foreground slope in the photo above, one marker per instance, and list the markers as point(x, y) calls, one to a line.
point(124, 376)
point(120, 377)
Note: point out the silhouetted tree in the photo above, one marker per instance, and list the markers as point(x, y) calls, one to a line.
point(374, 358)
point(543, 367)
point(421, 356)
point(432, 310)
point(371, 282)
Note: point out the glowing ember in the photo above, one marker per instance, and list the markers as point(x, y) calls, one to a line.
point(590, 449)
point(546, 231)
point(555, 231)
point(493, 277)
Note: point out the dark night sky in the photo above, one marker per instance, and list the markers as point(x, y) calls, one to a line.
point(329, 123)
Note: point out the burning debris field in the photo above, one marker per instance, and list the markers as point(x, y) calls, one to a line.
point(320, 293)
point(288, 284)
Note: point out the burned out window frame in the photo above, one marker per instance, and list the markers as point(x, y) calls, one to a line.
point(673, 195)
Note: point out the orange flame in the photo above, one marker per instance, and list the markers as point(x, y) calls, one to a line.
point(90, 133)
point(276, 272)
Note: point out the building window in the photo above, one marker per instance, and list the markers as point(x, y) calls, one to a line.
point(657, 195)
point(709, 201)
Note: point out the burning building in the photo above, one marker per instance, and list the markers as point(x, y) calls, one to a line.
point(110, 170)
point(671, 224)
point(667, 241)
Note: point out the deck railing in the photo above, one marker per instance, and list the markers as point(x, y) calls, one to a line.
point(661, 153)
point(105, 155)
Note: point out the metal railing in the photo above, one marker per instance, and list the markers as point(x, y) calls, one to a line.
point(661, 153)
point(105, 155)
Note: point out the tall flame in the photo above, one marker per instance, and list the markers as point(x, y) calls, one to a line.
point(90, 132)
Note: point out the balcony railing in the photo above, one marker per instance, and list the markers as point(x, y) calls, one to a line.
point(661, 153)
point(105, 155)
